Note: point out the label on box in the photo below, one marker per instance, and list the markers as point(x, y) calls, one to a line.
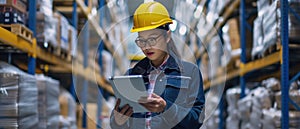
point(7, 14)
point(2, 1)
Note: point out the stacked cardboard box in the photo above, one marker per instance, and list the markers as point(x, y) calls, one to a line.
point(13, 11)
point(18, 99)
point(46, 25)
point(62, 31)
point(48, 105)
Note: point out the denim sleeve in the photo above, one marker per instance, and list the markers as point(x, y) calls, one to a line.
point(188, 115)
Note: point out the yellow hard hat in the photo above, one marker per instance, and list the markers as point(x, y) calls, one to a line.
point(149, 16)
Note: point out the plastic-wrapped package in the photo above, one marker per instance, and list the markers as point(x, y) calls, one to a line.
point(257, 36)
point(272, 119)
point(48, 101)
point(68, 110)
point(270, 15)
point(255, 117)
point(62, 31)
point(45, 5)
point(232, 122)
point(232, 96)
point(226, 57)
point(245, 125)
point(271, 26)
point(46, 24)
point(73, 38)
point(212, 122)
point(261, 98)
point(295, 85)
point(294, 95)
point(18, 98)
point(294, 23)
point(244, 107)
point(272, 84)
point(261, 6)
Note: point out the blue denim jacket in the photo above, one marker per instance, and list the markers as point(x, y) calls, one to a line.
point(181, 86)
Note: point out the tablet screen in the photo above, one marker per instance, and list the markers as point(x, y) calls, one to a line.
point(129, 89)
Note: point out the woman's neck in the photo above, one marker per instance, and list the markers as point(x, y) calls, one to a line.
point(158, 63)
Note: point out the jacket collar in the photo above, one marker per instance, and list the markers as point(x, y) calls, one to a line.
point(144, 67)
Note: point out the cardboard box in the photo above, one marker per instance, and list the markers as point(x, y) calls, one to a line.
point(17, 4)
point(10, 15)
point(234, 34)
point(62, 31)
point(72, 40)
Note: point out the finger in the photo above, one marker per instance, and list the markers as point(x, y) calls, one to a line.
point(117, 104)
point(153, 106)
point(149, 108)
point(153, 101)
point(143, 98)
point(129, 112)
point(143, 101)
point(146, 105)
point(155, 95)
point(124, 109)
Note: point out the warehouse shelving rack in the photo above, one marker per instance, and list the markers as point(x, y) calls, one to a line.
point(84, 70)
point(281, 56)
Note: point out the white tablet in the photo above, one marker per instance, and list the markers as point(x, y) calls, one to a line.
point(129, 89)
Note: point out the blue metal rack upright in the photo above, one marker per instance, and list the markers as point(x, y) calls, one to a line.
point(100, 62)
point(74, 22)
point(32, 26)
point(84, 92)
point(243, 45)
point(284, 64)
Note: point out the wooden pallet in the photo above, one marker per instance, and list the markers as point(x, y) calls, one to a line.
point(20, 30)
point(233, 64)
point(272, 49)
point(54, 49)
point(66, 55)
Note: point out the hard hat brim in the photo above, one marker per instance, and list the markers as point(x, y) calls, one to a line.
point(149, 27)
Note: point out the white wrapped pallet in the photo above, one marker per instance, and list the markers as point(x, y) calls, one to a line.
point(18, 99)
point(272, 119)
point(62, 31)
point(271, 26)
point(269, 20)
point(272, 83)
point(261, 98)
point(244, 107)
point(67, 116)
point(293, 94)
point(48, 101)
point(257, 36)
point(46, 24)
point(73, 42)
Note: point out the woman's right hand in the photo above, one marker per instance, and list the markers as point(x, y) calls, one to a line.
point(122, 115)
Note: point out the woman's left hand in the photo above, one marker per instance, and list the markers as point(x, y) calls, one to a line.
point(155, 103)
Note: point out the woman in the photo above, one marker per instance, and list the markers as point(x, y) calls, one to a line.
point(175, 87)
